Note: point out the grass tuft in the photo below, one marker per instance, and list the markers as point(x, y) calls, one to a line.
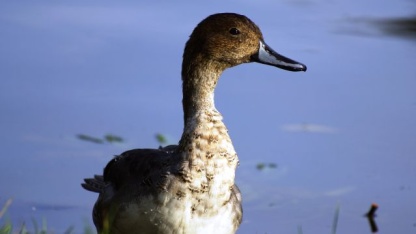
point(6, 227)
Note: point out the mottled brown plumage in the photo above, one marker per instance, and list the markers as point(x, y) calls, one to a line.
point(188, 188)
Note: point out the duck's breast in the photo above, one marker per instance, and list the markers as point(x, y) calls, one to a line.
point(174, 216)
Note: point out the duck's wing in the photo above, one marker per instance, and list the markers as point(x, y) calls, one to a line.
point(129, 176)
point(237, 201)
point(146, 167)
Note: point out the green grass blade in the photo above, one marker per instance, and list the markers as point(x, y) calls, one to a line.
point(6, 228)
point(23, 229)
point(5, 207)
point(300, 231)
point(335, 221)
point(69, 230)
point(35, 226)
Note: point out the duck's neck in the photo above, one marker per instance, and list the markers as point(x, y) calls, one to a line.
point(199, 80)
point(205, 142)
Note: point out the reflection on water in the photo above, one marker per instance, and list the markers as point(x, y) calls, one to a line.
point(403, 27)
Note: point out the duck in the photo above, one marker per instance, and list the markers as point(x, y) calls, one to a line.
point(189, 187)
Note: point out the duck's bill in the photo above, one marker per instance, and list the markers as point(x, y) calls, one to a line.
point(267, 55)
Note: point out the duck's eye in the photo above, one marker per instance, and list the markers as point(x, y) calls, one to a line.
point(234, 31)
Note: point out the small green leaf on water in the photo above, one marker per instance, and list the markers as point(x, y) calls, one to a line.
point(113, 138)
point(90, 138)
point(161, 139)
point(260, 166)
point(272, 165)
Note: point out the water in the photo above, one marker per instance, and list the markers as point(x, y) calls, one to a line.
point(341, 134)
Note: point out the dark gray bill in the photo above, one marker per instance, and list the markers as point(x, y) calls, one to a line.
point(267, 55)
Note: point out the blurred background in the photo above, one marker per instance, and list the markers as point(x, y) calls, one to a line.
point(313, 147)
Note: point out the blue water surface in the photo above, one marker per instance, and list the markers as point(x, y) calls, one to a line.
point(340, 135)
